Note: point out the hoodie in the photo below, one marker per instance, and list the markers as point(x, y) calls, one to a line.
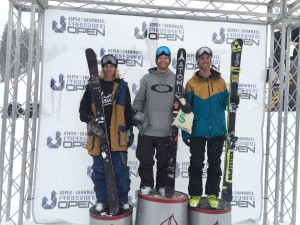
point(155, 98)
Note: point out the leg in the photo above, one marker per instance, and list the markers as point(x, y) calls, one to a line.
point(197, 150)
point(162, 147)
point(145, 153)
point(121, 170)
point(98, 178)
point(214, 171)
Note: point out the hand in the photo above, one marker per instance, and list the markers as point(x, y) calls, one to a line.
point(187, 141)
point(140, 120)
point(129, 137)
point(185, 106)
point(235, 99)
point(96, 128)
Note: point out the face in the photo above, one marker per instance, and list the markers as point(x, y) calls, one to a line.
point(204, 62)
point(163, 63)
point(109, 71)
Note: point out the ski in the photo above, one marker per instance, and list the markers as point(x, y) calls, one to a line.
point(113, 199)
point(180, 68)
point(236, 53)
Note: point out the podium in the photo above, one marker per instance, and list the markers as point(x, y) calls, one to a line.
point(124, 217)
point(155, 209)
point(203, 214)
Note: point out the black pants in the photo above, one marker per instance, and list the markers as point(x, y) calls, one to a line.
point(145, 152)
point(214, 171)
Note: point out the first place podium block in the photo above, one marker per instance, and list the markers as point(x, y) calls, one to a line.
point(203, 214)
point(155, 209)
point(123, 218)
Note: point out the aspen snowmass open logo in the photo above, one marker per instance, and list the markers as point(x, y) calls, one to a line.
point(79, 25)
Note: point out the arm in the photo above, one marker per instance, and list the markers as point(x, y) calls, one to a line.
point(139, 100)
point(85, 111)
point(128, 110)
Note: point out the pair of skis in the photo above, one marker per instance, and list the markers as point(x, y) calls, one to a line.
point(235, 67)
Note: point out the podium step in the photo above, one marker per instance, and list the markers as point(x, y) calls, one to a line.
point(124, 217)
point(155, 209)
point(203, 214)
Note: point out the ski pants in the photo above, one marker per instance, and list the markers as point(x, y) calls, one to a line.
point(145, 152)
point(214, 151)
point(121, 172)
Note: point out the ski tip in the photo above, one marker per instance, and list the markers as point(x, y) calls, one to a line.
point(89, 50)
point(114, 211)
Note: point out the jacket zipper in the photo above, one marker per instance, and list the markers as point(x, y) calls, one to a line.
point(210, 128)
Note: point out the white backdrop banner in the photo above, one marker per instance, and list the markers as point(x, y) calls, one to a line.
point(63, 188)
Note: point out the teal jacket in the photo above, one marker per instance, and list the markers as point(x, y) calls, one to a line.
point(209, 99)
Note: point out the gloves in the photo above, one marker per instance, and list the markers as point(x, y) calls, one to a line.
point(185, 106)
point(187, 141)
point(129, 137)
point(96, 128)
point(235, 99)
point(140, 120)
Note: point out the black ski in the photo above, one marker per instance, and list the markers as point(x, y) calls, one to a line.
point(236, 53)
point(113, 199)
point(180, 68)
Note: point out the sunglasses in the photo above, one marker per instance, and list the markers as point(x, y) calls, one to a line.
point(109, 59)
point(163, 49)
point(203, 50)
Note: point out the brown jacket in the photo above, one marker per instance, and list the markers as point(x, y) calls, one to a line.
point(117, 129)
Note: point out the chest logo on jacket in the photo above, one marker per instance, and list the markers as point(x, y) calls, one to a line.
point(162, 88)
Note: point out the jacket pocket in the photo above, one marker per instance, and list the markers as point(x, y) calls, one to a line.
point(90, 144)
point(122, 140)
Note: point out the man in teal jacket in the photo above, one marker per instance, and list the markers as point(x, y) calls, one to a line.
point(207, 93)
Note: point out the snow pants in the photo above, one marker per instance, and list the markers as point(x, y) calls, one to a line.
point(214, 151)
point(145, 152)
point(121, 171)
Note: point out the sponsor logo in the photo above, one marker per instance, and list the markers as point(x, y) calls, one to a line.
point(68, 140)
point(61, 27)
point(70, 82)
point(247, 91)
point(191, 63)
point(160, 31)
point(79, 25)
point(244, 145)
point(54, 144)
point(127, 57)
point(53, 201)
point(61, 83)
point(250, 37)
point(133, 168)
point(70, 199)
point(219, 38)
point(243, 199)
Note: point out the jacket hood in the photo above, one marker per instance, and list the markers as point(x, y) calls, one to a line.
point(214, 74)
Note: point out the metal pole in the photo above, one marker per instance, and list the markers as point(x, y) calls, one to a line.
point(14, 114)
point(286, 79)
point(268, 131)
point(27, 111)
point(279, 130)
point(297, 134)
point(5, 100)
point(35, 109)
